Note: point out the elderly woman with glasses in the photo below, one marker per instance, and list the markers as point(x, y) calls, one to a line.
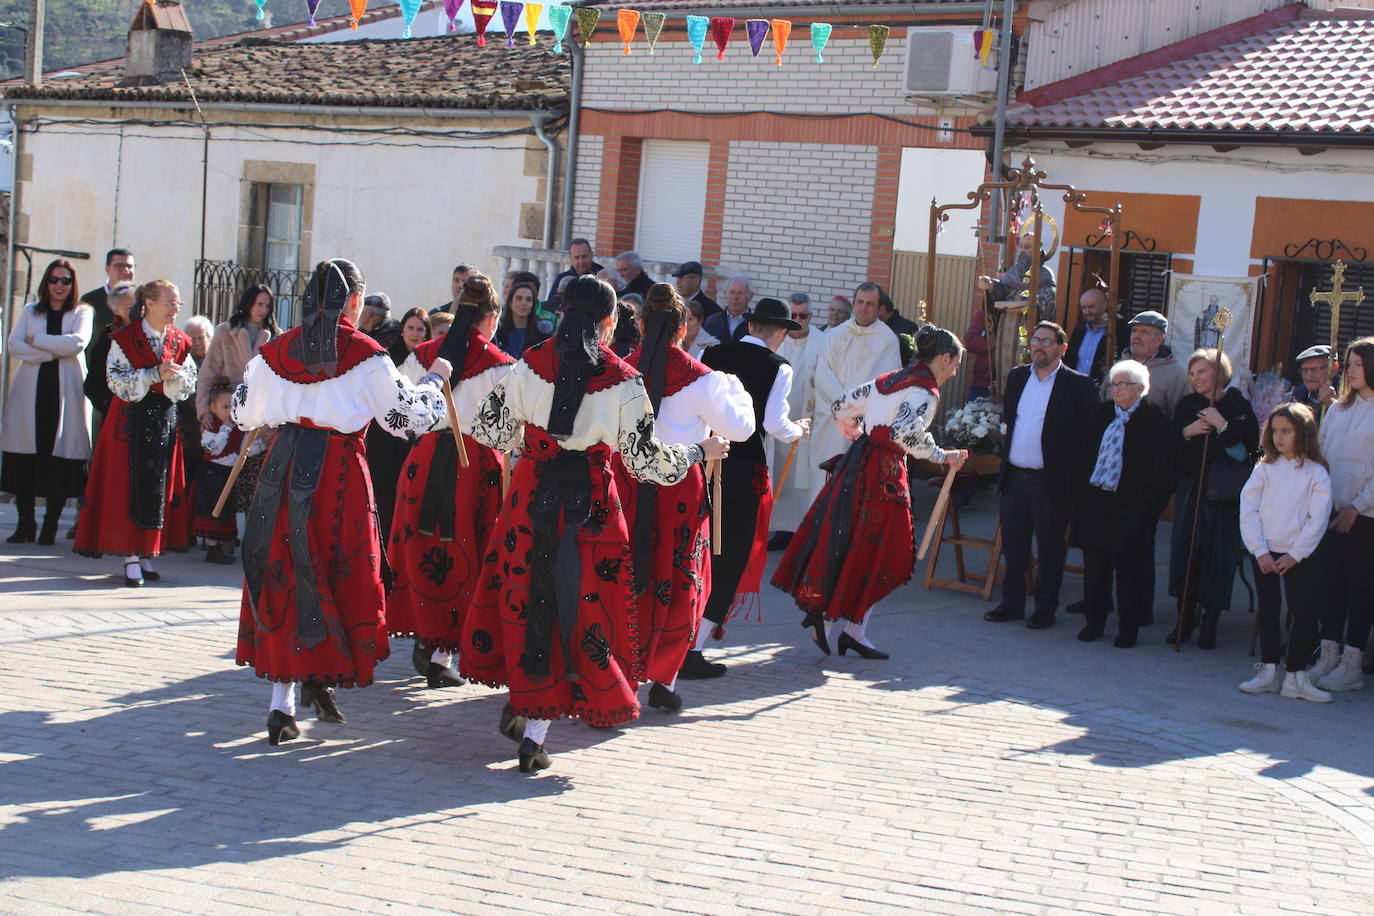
point(1124, 478)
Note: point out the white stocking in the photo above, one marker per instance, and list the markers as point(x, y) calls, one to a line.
point(858, 631)
point(671, 685)
point(537, 730)
point(440, 657)
point(284, 699)
point(703, 634)
point(146, 563)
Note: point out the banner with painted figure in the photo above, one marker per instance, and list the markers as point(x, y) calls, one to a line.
point(1194, 301)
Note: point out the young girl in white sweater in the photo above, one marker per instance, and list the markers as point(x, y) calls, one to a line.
point(1284, 508)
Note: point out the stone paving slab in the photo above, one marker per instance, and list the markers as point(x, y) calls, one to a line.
point(984, 768)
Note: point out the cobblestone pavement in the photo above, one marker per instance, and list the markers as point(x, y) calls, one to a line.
point(984, 768)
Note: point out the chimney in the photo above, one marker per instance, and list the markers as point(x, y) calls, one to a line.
point(159, 44)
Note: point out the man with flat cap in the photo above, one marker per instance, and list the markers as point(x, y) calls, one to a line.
point(746, 491)
point(1168, 377)
point(688, 278)
point(1317, 390)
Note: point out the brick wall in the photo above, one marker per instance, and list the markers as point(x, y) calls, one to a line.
point(587, 191)
point(798, 216)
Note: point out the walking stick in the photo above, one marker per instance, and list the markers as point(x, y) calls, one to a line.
point(713, 474)
point(453, 424)
point(506, 461)
point(787, 463)
point(1221, 321)
point(234, 472)
point(937, 517)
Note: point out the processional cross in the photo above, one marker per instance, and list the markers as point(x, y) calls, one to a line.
point(1335, 299)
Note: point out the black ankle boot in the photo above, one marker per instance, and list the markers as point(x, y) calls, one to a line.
point(28, 525)
point(48, 536)
point(1207, 633)
point(1188, 623)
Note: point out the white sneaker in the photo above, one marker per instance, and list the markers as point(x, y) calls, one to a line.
point(1298, 686)
point(1348, 675)
point(1268, 679)
point(1327, 661)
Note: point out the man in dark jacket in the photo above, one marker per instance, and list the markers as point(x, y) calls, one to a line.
point(1088, 343)
point(1045, 407)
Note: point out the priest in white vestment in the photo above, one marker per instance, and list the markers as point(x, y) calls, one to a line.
point(856, 351)
point(802, 349)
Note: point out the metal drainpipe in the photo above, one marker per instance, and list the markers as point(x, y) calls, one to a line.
point(1004, 65)
point(11, 113)
point(579, 66)
point(537, 118)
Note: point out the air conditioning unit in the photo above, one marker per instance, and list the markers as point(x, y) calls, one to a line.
point(940, 61)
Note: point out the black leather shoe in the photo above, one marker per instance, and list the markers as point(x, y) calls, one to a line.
point(1078, 607)
point(322, 698)
point(816, 624)
point(419, 657)
point(1000, 614)
point(24, 532)
point(1039, 621)
point(133, 581)
point(437, 675)
point(1091, 633)
point(696, 668)
point(847, 642)
point(512, 726)
point(216, 554)
point(660, 697)
point(281, 727)
point(1189, 621)
point(1207, 633)
point(1125, 639)
point(152, 575)
point(532, 756)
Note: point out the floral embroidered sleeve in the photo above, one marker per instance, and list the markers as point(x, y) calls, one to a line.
point(646, 456)
point(853, 402)
point(182, 385)
point(214, 442)
point(127, 383)
point(911, 427)
point(406, 410)
point(495, 424)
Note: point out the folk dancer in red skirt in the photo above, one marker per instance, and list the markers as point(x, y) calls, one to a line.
point(313, 607)
point(747, 490)
point(554, 619)
point(136, 505)
point(445, 513)
point(670, 527)
point(220, 448)
point(856, 544)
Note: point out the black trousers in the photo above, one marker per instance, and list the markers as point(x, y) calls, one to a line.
point(740, 502)
point(1302, 585)
point(1031, 506)
point(1120, 549)
point(1349, 606)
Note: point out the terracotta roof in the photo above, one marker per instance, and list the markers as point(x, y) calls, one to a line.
point(448, 71)
point(1310, 76)
point(707, 6)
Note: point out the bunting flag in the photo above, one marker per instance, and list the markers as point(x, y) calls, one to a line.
point(532, 11)
point(782, 29)
point(721, 27)
point(820, 34)
point(627, 21)
point(653, 25)
point(982, 44)
point(558, 21)
point(482, 11)
point(356, 8)
point(587, 18)
point(312, 5)
point(451, 8)
point(510, 18)
point(696, 34)
point(261, 4)
point(877, 41)
point(409, 10)
point(758, 31)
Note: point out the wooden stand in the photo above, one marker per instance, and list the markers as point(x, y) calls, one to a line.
point(975, 583)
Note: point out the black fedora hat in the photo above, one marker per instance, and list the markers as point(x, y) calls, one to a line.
point(773, 311)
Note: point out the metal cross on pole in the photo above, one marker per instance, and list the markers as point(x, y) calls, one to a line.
point(1334, 299)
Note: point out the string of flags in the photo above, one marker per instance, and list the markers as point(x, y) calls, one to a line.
point(721, 29)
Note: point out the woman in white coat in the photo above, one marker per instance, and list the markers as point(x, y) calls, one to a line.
point(46, 437)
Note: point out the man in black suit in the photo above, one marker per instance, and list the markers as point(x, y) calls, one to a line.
point(631, 266)
point(119, 268)
point(1088, 343)
point(1045, 407)
point(688, 276)
point(732, 323)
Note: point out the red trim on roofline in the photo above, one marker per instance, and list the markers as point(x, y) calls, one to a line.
point(1160, 57)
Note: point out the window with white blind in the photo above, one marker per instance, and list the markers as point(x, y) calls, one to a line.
point(672, 200)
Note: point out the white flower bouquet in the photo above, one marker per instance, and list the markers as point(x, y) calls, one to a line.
point(977, 426)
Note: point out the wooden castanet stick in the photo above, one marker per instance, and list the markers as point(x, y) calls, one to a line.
point(713, 474)
point(787, 463)
point(453, 424)
point(937, 517)
point(507, 465)
point(234, 472)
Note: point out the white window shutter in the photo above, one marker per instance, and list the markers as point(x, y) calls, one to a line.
point(672, 200)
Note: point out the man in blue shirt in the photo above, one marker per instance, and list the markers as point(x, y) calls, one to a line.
point(1088, 344)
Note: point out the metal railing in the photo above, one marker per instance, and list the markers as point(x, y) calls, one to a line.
point(218, 285)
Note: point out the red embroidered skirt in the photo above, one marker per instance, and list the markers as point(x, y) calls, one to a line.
point(346, 550)
point(596, 681)
point(105, 525)
point(881, 552)
point(435, 579)
point(670, 607)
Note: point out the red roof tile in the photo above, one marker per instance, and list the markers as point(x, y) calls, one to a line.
point(1308, 75)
